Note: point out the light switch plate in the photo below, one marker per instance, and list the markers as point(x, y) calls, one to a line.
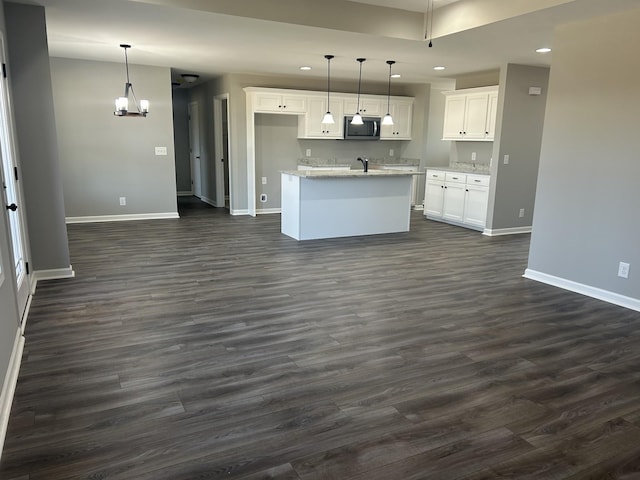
point(161, 150)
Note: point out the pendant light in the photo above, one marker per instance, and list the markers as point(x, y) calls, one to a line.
point(122, 103)
point(357, 118)
point(328, 118)
point(388, 119)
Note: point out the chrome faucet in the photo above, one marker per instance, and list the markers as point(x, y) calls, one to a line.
point(365, 163)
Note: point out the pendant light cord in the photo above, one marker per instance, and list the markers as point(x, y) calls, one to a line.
point(390, 62)
point(361, 60)
point(328, 57)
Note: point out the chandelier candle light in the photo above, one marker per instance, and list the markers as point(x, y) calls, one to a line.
point(122, 103)
point(328, 118)
point(357, 118)
point(388, 119)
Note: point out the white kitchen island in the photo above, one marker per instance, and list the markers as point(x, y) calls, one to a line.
point(344, 203)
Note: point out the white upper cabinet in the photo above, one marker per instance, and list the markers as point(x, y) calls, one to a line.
point(277, 103)
point(402, 113)
point(311, 106)
point(312, 127)
point(470, 114)
point(369, 107)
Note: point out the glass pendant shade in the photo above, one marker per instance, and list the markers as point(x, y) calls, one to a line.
point(387, 119)
point(122, 104)
point(357, 120)
point(144, 106)
point(328, 118)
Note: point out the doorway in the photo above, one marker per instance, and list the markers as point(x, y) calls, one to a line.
point(12, 196)
point(224, 198)
point(194, 150)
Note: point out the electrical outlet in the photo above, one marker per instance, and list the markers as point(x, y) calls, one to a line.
point(264, 180)
point(123, 201)
point(623, 270)
point(391, 152)
point(506, 159)
point(308, 153)
point(161, 150)
point(521, 214)
point(263, 197)
point(473, 156)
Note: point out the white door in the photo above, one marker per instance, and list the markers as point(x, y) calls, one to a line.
point(475, 205)
point(194, 149)
point(434, 198)
point(11, 198)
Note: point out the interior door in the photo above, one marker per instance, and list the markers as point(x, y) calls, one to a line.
point(221, 140)
point(11, 197)
point(194, 149)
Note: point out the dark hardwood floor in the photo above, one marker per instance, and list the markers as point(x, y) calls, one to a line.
point(214, 347)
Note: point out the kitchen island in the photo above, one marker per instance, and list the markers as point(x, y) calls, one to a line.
point(343, 203)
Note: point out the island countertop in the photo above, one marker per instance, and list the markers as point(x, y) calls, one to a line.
point(349, 173)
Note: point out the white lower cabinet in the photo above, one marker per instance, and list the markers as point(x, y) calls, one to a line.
point(457, 198)
point(453, 204)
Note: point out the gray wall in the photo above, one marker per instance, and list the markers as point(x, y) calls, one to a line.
point(181, 139)
point(8, 306)
point(519, 135)
point(233, 85)
point(104, 157)
point(586, 218)
point(36, 135)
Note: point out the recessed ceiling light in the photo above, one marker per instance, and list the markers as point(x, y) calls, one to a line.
point(543, 50)
point(395, 75)
point(439, 67)
point(304, 67)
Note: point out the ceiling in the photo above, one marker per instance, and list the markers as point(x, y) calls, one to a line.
point(276, 37)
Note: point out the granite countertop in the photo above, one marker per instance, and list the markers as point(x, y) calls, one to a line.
point(462, 169)
point(315, 162)
point(349, 173)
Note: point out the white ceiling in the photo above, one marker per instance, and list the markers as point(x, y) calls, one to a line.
point(273, 37)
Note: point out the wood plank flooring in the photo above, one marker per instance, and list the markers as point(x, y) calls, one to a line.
point(214, 347)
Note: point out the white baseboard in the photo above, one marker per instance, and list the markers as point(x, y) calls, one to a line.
point(506, 231)
point(25, 314)
point(122, 218)
point(419, 207)
point(209, 201)
point(240, 212)
point(187, 193)
point(53, 274)
point(9, 386)
point(593, 292)
point(262, 211)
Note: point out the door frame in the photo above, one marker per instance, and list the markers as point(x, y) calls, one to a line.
point(24, 284)
point(219, 151)
point(196, 166)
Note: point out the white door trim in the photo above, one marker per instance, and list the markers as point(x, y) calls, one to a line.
point(219, 151)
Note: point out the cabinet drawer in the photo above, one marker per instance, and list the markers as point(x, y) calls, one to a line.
point(452, 177)
point(435, 175)
point(478, 180)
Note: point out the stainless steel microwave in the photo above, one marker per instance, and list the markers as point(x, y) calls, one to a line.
point(369, 130)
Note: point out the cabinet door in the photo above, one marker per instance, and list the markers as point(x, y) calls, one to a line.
point(294, 104)
point(454, 117)
point(492, 113)
point(368, 107)
point(475, 205)
point(433, 198)
point(267, 102)
point(475, 119)
point(313, 128)
point(453, 208)
point(402, 113)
